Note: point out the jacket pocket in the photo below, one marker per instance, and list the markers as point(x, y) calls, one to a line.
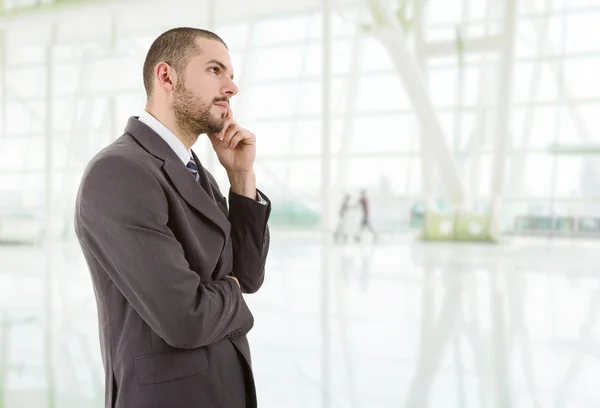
point(158, 368)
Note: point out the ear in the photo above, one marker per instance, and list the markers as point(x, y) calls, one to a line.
point(165, 76)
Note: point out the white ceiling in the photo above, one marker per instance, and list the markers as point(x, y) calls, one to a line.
point(96, 19)
point(166, 12)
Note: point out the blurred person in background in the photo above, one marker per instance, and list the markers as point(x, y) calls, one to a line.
point(168, 255)
point(365, 219)
point(341, 232)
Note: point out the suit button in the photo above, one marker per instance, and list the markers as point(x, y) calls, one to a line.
point(234, 334)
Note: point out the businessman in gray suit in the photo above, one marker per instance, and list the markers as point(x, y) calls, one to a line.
point(168, 255)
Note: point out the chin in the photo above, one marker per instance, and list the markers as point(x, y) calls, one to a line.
point(219, 125)
point(219, 121)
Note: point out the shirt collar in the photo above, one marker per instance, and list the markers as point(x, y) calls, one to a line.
point(177, 145)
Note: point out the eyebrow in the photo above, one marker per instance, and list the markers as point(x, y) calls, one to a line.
point(220, 64)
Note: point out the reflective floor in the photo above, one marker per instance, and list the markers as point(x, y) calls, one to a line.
point(399, 324)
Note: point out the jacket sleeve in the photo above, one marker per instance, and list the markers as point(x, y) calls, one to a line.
point(250, 239)
point(121, 218)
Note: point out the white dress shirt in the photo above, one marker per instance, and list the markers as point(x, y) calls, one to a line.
point(177, 145)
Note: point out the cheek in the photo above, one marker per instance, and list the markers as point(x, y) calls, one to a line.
point(203, 92)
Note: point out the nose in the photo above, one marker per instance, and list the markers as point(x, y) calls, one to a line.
point(230, 89)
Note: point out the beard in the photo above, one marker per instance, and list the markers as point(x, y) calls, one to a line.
point(192, 115)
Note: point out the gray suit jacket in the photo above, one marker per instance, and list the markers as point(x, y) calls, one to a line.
point(158, 247)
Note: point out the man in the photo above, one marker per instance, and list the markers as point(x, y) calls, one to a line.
point(169, 259)
point(365, 223)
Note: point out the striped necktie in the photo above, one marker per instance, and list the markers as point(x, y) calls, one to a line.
point(193, 169)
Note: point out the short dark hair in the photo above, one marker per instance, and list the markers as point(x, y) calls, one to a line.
point(175, 47)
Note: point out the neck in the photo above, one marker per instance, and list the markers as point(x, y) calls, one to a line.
point(166, 117)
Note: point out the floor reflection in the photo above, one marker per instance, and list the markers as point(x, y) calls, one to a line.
point(412, 325)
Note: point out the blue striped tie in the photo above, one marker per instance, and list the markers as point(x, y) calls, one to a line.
point(193, 169)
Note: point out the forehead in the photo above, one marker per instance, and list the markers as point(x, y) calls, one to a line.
point(212, 50)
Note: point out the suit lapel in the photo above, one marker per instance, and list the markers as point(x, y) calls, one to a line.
point(184, 182)
point(193, 193)
point(204, 182)
point(211, 188)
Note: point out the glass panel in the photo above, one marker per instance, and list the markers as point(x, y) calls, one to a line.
point(579, 4)
point(372, 172)
point(384, 134)
point(31, 83)
point(235, 35)
point(311, 97)
point(442, 85)
point(538, 175)
point(25, 117)
point(581, 76)
point(25, 54)
point(305, 176)
point(277, 63)
point(342, 54)
point(530, 32)
point(306, 136)
point(535, 127)
point(590, 117)
point(375, 58)
point(443, 12)
point(280, 30)
point(382, 92)
point(582, 31)
point(538, 74)
point(113, 74)
point(270, 101)
point(272, 137)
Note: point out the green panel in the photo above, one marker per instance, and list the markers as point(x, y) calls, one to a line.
point(565, 224)
point(438, 227)
point(417, 217)
point(292, 213)
point(545, 224)
point(457, 227)
point(472, 227)
point(582, 149)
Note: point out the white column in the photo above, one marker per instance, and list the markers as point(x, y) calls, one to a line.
point(3, 84)
point(48, 137)
point(49, 223)
point(210, 157)
point(341, 180)
point(478, 136)
point(287, 177)
point(427, 162)
point(4, 362)
point(326, 204)
point(503, 136)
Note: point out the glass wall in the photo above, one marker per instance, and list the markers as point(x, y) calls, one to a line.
point(85, 86)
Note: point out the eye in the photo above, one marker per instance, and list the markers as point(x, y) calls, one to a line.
point(215, 70)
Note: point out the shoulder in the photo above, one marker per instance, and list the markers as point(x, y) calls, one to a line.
point(123, 156)
point(120, 167)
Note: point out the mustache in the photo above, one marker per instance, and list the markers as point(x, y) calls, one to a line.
point(222, 99)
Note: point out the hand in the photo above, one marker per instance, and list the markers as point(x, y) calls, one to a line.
point(234, 278)
point(235, 146)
